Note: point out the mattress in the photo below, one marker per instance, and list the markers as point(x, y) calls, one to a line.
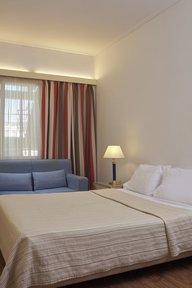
point(49, 240)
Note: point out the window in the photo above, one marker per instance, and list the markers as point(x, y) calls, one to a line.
point(20, 120)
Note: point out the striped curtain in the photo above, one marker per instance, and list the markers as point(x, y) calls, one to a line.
point(68, 125)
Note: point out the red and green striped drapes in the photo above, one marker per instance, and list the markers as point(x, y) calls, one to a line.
point(68, 125)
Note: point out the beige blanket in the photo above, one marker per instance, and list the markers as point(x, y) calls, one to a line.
point(50, 238)
point(178, 221)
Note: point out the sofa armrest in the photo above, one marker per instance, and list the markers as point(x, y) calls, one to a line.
point(76, 182)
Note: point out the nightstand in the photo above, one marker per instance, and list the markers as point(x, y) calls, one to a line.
point(100, 185)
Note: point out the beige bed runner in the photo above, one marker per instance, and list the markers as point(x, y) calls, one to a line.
point(46, 239)
point(178, 221)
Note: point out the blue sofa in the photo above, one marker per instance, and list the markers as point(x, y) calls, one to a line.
point(39, 176)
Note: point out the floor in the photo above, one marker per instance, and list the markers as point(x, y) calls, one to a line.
point(176, 274)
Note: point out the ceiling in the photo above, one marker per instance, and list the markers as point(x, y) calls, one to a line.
point(77, 26)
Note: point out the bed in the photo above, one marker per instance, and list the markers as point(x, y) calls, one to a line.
point(59, 239)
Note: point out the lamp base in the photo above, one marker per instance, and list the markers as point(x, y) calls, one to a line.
point(116, 184)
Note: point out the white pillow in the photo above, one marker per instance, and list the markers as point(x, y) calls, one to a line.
point(176, 185)
point(145, 179)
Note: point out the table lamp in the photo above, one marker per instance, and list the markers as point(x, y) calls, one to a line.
point(114, 152)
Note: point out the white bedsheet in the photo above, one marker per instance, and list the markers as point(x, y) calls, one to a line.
point(158, 200)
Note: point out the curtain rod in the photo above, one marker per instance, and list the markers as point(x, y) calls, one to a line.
point(42, 76)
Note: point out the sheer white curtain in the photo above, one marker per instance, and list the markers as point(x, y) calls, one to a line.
point(20, 118)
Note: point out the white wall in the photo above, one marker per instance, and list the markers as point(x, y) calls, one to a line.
point(144, 94)
point(31, 59)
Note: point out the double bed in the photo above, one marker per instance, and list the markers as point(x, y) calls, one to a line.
point(52, 240)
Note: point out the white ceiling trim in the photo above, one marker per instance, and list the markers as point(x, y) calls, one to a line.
point(42, 76)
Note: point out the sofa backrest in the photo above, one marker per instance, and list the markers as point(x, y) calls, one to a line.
point(24, 166)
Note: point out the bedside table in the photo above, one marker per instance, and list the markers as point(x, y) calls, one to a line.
point(101, 185)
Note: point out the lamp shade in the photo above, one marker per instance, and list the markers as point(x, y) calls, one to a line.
point(113, 152)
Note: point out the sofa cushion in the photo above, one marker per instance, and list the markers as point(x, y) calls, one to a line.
point(15, 182)
point(55, 190)
point(49, 179)
point(15, 192)
point(51, 165)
